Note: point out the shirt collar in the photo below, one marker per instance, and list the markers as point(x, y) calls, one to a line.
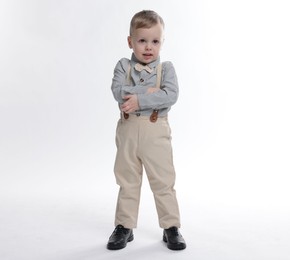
point(152, 64)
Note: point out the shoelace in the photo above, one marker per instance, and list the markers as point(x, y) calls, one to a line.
point(119, 230)
point(174, 231)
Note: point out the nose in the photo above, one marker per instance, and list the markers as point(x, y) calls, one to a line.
point(148, 46)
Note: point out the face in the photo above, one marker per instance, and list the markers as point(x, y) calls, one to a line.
point(146, 43)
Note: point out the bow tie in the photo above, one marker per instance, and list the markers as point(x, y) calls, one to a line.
point(139, 67)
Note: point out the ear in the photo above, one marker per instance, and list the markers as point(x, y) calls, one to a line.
point(129, 39)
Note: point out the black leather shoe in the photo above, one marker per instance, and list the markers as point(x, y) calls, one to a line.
point(173, 239)
point(120, 237)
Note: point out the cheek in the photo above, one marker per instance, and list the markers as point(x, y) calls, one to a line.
point(157, 49)
point(138, 48)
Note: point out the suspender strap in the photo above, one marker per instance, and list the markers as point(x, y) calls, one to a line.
point(129, 75)
point(159, 71)
point(154, 115)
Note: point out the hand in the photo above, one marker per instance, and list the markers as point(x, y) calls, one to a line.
point(131, 104)
point(152, 90)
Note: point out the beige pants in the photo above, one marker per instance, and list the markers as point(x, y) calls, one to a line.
point(142, 143)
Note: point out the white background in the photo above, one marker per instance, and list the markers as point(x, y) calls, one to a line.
point(230, 128)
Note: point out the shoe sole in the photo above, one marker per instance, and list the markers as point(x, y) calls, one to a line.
point(111, 247)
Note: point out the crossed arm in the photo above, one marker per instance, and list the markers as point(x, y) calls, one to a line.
point(131, 103)
point(139, 97)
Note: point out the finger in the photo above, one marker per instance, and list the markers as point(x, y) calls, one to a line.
point(125, 104)
point(127, 97)
point(125, 108)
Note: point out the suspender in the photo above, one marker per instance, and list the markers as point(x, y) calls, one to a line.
point(158, 80)
point(154, 115)
point(129, 75)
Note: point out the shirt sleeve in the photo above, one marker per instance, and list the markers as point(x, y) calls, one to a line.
point(120, 86)
point(168, 93)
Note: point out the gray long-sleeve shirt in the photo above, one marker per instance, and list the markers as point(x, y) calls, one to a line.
point(161, 100)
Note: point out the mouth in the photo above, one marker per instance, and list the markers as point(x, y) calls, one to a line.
point(147, 55)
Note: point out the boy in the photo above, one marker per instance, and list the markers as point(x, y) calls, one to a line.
point(145, 92)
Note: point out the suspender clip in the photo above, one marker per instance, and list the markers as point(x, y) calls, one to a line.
point(154, 116)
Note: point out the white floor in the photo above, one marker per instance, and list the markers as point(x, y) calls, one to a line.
point(75, 225)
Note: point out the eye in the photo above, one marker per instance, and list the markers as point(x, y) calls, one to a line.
point(142, 41)
point(155, 42)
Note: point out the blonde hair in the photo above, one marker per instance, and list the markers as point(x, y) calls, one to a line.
point(145, 19)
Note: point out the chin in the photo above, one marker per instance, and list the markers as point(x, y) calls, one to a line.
point(148, 60)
